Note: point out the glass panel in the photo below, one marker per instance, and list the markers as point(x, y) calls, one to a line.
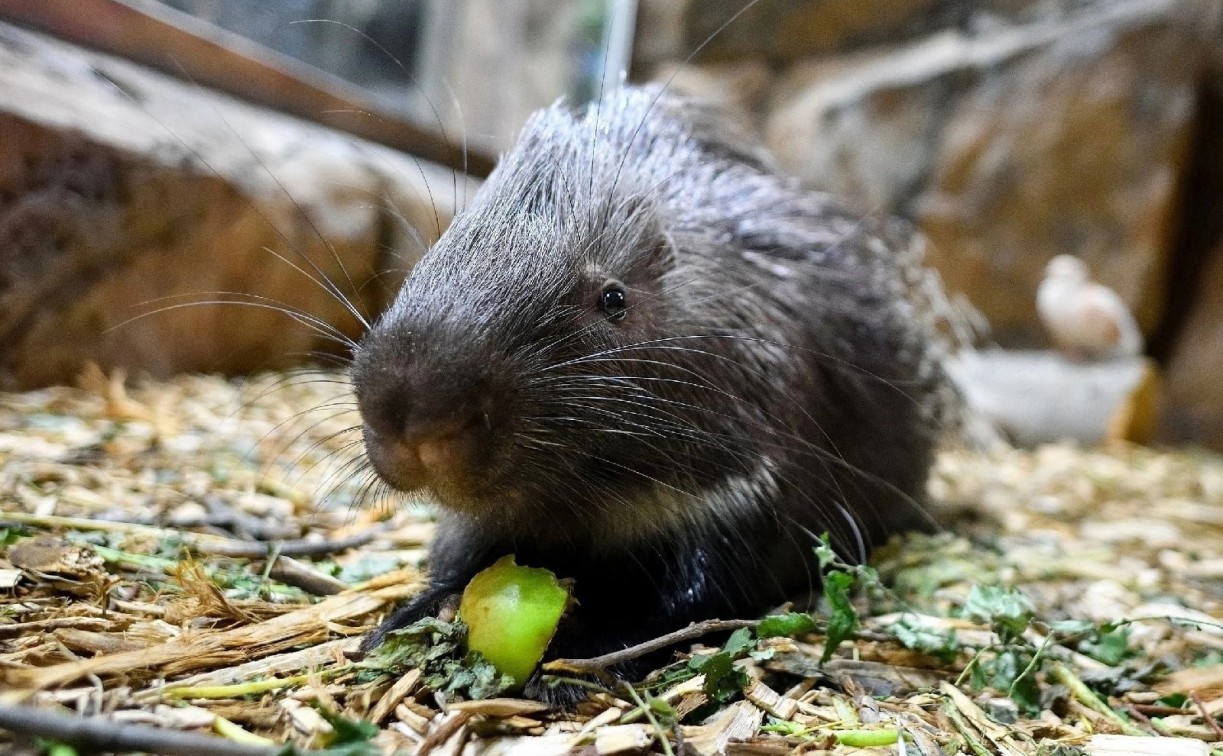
point(473, 68)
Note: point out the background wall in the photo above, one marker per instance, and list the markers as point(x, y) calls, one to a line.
point(1009, 131)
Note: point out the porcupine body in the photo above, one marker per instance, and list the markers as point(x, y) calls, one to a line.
point(645, 360)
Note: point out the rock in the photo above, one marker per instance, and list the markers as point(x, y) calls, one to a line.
point(1193, 409)
point(864, 126)
point(130, 201)
point(779, 31)
point(784, 32)
point(738, 88)
point(1074, 147)
point(1010, 146)
point(1039, 397)
point(1191, 338)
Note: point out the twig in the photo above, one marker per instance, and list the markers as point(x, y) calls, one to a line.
point(961, 726)
point(1087, 697)
point(1156, 710)
point(1143, 718)
point(198, 542)
point(101, 734)
point(598, 664)
point(105, 526)
point(296, 548)
point(1209, 719)
point(79, 623)
point(292, 572)
point(659, 732)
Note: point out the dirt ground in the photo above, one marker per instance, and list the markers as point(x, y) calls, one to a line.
point(201, 556)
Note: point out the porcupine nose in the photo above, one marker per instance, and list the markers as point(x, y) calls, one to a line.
point(426, 430)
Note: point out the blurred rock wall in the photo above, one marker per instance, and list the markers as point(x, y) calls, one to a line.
point(152, 225)
point(1010, 131)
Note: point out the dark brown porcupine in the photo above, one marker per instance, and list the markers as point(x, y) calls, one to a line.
point(646, 361)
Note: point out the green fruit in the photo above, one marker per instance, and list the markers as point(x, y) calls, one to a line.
point(511, 614)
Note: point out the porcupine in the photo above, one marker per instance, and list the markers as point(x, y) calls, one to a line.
point(645, 360)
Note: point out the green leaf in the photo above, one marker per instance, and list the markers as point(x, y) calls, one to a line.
point(739, 642)
point(9, 536)
point(824, 553)
point(347, 731)
point(784, 727)
point(56, 748)
point(942, 646)
point(978, 678)
point(843, 620)
point(1005, 609)
point(436, 648)
point(722, 679)
point(1109, 645)
point(785, 625)
point(763, 655)
point(665, 711)
point(1024, 690)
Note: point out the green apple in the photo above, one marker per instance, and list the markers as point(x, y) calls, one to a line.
point(511, 614)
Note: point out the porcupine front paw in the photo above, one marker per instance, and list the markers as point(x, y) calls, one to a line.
point(425, 604)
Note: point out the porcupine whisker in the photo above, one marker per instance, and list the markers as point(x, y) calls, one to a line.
point(342, 476)
point(371, 492)
point(437, 117)
point(329, 288)
point(805, 446)
point(322, 280)
point(723, 443)
point(336, 462)
point(318, 443)
point(800, 446)
point(703, 386)
point(434, 111)
point(718, 442)
point(315, 324)
point(653, 343)
point(341, 402)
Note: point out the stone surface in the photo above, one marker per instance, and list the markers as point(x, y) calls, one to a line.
point(865, 127)
point(1011, 145)
point(1076, 149)
point(129, 202)
point(778, 30)
point(739, 88)
point(788, 31)
point(1193, 397)
point(1036, 397)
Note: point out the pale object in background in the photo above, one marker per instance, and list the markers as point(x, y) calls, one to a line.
point(1036, 397)
point(1085, 319)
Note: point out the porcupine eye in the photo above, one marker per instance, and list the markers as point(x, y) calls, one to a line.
point(614, 300)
